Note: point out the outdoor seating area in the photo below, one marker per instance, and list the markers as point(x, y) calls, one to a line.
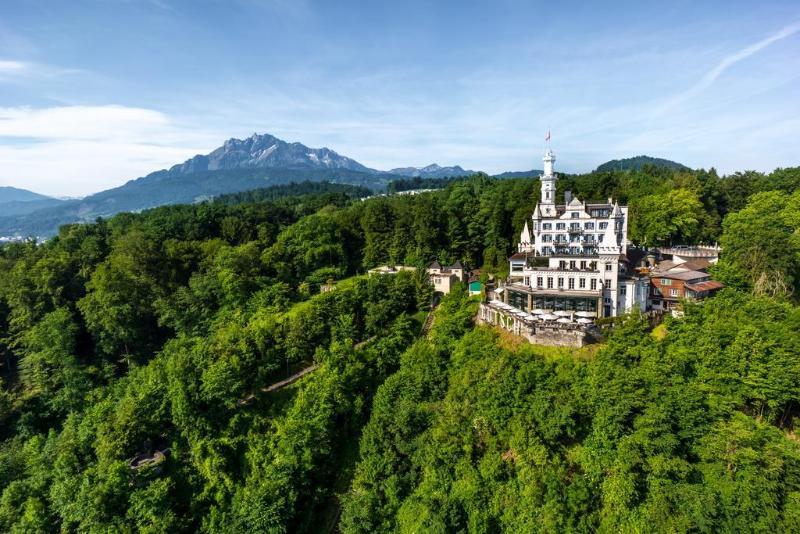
point(539, 326)
point(538, 316)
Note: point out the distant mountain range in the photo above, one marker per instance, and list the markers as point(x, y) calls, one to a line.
point(431, 171)
point(638, 162)
point(15, 201)
point(238, 165)
point(13, 194)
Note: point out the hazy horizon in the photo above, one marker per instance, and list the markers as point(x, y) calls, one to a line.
point(96, 93)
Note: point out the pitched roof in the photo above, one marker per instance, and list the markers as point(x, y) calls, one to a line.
point(435, 265)
point(698, 264)
point(457, 265)
point(685, 275)
point(708, 285)
point(518, 256)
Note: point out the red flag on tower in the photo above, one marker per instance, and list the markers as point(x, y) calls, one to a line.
point(547, 137)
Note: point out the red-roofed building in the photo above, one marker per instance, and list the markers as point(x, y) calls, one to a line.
point(668, 287)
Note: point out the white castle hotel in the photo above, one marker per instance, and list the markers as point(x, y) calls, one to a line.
point(570, 267)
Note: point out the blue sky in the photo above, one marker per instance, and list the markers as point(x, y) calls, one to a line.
point(94, 93)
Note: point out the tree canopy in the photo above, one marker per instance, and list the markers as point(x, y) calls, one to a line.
point(143, 360)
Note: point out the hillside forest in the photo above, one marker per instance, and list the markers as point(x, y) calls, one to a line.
point(141, 360)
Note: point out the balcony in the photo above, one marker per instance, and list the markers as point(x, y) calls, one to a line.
point(585, 252)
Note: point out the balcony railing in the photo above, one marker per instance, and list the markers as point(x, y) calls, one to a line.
point(567, 252)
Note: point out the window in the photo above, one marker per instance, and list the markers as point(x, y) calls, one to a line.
point(562, 264)
point(673, 292)
point(589, 226)
point(547, 195)
point(575, 226)
point(547, 226)
point(608, 283)
point(582, 283)
point(549, 282)
point(516, 267)
point(527, 280)
point(656, 291)
point(583, 264)
point(572, 264)
point(571, 283)
point(666, 282)
point(599, 238)
point(560, 281)
point(547, 238)
point(609, 267)
point(539, 281)
point(603, 225)
point(623, 290)
point(561, 226)
point(593, 284)
point(574, 214)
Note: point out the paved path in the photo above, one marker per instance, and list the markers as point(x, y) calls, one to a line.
point(285, 382)
point(426, 326)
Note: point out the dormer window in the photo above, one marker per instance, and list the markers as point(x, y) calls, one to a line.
point(575, 215)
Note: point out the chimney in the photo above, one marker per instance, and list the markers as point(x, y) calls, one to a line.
point(567, 197)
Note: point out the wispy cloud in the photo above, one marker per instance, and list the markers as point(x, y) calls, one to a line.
point(12, 67)
point(15, 71)
point(712, 75)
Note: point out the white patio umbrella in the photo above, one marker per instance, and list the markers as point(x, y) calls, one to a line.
point(549, 317)
point(564, 320)
point(585, 314)
point(563, 313)
point(584, 320)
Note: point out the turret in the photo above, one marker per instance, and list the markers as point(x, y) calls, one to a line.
point(525, 240)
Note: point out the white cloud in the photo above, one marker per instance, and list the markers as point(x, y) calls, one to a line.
point(78, 150)
point(81, 122)
point(712, 75)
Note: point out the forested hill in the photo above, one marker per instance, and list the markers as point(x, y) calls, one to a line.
point(144, 363)
point(14, 201)
point(14, 194)
point(637, 162)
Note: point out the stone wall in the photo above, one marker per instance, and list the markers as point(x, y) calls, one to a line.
point(554, 335)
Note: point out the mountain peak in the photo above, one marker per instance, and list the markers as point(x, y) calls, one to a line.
point(15, 194)
point(434, 170)
point(267, 151)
